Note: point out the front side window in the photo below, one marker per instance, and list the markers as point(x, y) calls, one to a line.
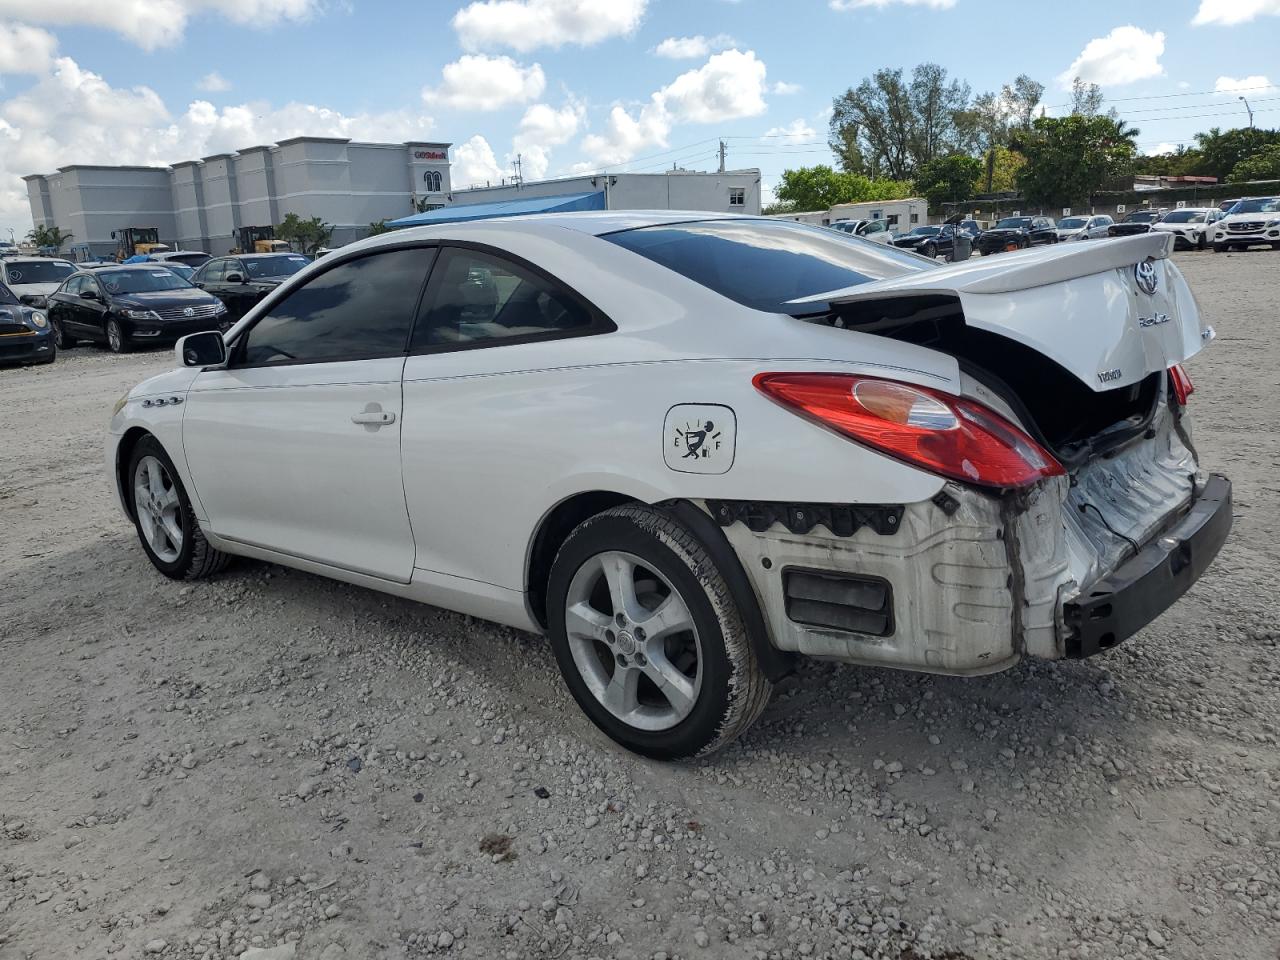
point(212, 272)
point(476, 298)
point(764, 264)
point(358, 310)
point(285, 265)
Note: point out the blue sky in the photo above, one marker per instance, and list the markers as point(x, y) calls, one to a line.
point(577, 85)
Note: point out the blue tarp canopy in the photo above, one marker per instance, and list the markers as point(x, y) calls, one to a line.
point(504, 208)
point(138, 258)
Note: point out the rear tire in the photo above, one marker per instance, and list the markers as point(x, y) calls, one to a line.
point(648, 637)
point(1220, 248)
point(166, 524)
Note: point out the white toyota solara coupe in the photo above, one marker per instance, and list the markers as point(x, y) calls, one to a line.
point(690, 447)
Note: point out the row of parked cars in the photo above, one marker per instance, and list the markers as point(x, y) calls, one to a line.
point(47, 305)
point(1236, 223)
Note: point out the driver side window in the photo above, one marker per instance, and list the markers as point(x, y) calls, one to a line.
point(358, 310)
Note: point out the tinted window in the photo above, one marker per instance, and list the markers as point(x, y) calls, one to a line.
point(477, 297)
point(283, 266)
point(190, 259)
point(7, 297)
point(766, 263)
point(150, 280)
point(1009, 223)
point(359, 309)
point(34, 271)
point(212, 272)
point(1185, 216)
point(72, 286)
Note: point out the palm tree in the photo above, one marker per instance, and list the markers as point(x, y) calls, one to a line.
point(1121, 130)
point(49, 237)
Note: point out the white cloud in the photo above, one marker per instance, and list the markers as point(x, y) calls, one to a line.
point(213, 82)
point(477, 82)
point(1160, 149)
point(526, 25)
point(73, 115)
point(784, 89)
point(844, 5)
point(691, 48)
point(1183, 85)
point(474, 164)
point(1233, 87)
point(541, 128)
point(25, 49)
point(1124, 55)
point(728, 86)
point(1230, 12)
point(797, 131)
point(154, 23)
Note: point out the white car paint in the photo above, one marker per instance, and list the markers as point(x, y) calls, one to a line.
point(445, 502)
point(877, 231)
point(14, 274)
point(1260, 224)
point(1193, 226)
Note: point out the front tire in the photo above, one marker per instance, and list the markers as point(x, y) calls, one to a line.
point(929, 250)
point(162, 514)
point(117, 339)
point(648, 637)
point(61, 339)
point(1220, 248)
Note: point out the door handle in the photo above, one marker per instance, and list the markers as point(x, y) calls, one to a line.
point(376, 418)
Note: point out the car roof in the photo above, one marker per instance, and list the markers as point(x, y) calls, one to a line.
point(30, 259)
point(252, 256)
point(593, 222)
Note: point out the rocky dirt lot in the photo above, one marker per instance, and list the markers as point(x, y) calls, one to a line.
point(274, 766)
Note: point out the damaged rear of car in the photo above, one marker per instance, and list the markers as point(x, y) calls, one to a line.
point(1074, 510)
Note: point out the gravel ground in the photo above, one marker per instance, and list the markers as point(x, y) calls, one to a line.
point(275, 766)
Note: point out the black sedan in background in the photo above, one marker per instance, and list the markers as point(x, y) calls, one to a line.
point(126, 306)
point(241, 281)
point(949, 239)
point(1017, 233)
point(25, 334)
point(1139, 221)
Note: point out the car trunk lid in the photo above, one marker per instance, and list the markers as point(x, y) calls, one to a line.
point(1110, 313)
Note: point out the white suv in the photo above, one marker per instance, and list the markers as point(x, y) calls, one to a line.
point(1251, 221)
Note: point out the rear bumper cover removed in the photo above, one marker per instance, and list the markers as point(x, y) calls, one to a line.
point(1124, 601)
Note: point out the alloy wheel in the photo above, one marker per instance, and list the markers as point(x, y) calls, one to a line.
point(157, 505)
point(633, 641)
point(115, 339)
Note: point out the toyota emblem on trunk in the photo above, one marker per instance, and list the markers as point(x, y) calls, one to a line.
point(1145, 274)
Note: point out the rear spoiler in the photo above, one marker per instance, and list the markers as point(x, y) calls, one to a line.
point(1009, 272)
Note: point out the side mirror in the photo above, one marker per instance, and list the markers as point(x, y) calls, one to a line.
point(234, 278)
point(206, 349)
point(89, 295)
point(33, 300)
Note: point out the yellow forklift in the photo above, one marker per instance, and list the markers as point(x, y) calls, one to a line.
point(137, 241)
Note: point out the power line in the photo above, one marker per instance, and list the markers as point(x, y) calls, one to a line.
point(1170, 96)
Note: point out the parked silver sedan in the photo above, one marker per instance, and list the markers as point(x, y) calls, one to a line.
point(1084, 228)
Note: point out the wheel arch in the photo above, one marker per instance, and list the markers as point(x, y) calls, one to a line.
point(566, 515)
point(124, 450)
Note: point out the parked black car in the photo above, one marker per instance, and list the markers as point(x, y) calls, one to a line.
point(25, 334)
point(929, 241)
point(124, 306)
point(1139, 221)
point(241, 281)
point(1017, 233)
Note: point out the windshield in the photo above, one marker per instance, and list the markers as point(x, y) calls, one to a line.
point(34, 271)
point(7, 297)
point(181, 270)
point(1073, 223)
point(763, 264)
point(1185, 216)
point(1256, 205)
point(191, 259)
point(285, 265)
point(1012, 223)
point(925, 231)
point(1142, 216)
point(151, 280)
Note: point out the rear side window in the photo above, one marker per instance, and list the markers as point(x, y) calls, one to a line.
point(358, 310)
point(763, 264)
point(478, 299)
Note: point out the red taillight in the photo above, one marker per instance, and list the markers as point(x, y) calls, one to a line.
point(1181, 383)
point(948, 435)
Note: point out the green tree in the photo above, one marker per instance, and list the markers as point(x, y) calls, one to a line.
point(49, 237)
point(1086, 98)
point(820, 187)
point(948, 179)
point(1068, 158)
point(377, 227)
point(889, 126)
point(994, 118)
point(1000, 171)
point(1182, 162)
point(1222, 150)
point(1263, 165)
point(305, 236)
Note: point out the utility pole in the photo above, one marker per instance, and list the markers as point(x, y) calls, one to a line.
point(518, 179)
point(1250, 109)
point(722, 155)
